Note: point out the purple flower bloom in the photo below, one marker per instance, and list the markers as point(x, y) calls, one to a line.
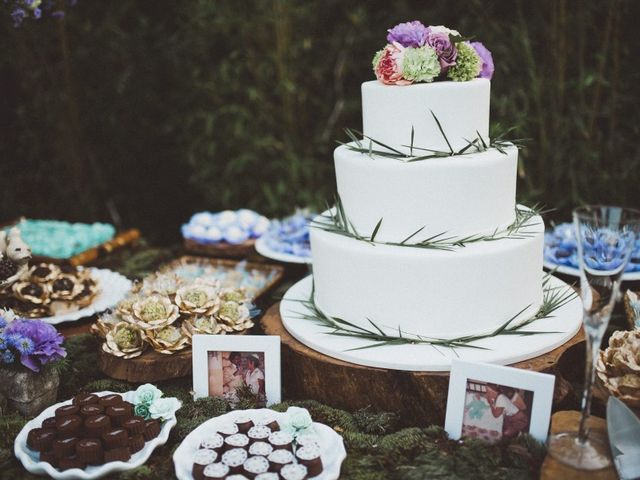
point(409, 34)
point(37, 13)
point(18, 16)
point(3, 322)
point(25, 346)
point(487, 60)
point(47, 342)
point(8, 357)
point(446, 51)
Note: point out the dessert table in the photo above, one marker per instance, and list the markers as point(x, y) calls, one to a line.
point(381, 444)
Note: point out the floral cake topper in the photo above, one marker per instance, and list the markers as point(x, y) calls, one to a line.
point(417, 53)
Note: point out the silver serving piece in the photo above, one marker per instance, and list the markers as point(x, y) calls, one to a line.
point(624, 437)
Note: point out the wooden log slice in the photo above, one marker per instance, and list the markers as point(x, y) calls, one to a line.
point(151, 366)
point(419, 397)
point(221, 250)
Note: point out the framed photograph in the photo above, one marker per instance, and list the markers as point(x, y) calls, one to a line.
point(232, 366)
point(492, 402)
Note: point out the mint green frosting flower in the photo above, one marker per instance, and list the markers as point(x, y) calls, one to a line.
point(468, 64)
point(142, 410)
point(298, 422)
point(165, 408)
point(420, 64)
point(146, 394)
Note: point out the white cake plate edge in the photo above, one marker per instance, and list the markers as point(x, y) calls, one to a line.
point(575, 272)
point(499, 350)
point(262, 248)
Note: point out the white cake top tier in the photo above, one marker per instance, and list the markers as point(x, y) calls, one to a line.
point(389, 112)
point(456, 196)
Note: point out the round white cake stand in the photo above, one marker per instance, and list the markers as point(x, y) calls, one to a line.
point(501, 350)
point(263, 249)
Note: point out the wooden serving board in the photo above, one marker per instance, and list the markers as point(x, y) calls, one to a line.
point(151, 366)
point(419, 397)
point(221, 249)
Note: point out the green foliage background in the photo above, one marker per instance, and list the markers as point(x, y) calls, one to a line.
point(151, 110)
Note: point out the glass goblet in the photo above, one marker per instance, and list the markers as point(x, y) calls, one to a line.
point(605, 238)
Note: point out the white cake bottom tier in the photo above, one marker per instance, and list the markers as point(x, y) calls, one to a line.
point(460, 195)
point(443, 294)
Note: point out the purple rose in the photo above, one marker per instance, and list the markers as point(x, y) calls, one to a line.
point(46, 342)
point(446, 51)
point(409, 34)
point(487, 60)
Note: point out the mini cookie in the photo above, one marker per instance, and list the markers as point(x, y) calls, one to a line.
point(255, 466)
point(279, 458)
point(281, 440)
point(260, 448)
point(213, 442)
point(268, 476)
point(239, 440)
point(244, 423)
point(228, 429)
point(309, 456)
point(216, 471)
point(201, 459)
point(259, 433)
point(234, 459)
point(293, 471)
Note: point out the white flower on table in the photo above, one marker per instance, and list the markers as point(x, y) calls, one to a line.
point(164, 408)
point(147, 393)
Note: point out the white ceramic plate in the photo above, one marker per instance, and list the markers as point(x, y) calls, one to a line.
point(574, 272)
point(30, 461)
point(333, 452)
point(113, 288)
point(263, 249)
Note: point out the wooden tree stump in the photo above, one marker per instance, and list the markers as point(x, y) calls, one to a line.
point(419, 397)
point(151, 366)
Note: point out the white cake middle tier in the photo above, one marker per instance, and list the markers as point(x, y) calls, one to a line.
point(443, 294)
point(460, 195)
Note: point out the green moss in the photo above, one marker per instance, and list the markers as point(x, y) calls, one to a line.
point(376, 423)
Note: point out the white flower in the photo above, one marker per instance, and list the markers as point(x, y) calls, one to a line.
point(443, 29)
point(165, 408)
point(147, 393)
point(298, 422)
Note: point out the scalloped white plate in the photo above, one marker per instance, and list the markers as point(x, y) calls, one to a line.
point(263, 249)
point(113, 288)
point(575, 272)
point(333, 452)
point(30, 461)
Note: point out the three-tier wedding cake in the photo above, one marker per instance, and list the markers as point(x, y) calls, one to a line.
point(427, 237)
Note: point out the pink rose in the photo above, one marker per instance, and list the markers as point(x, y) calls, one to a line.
point(389, 68)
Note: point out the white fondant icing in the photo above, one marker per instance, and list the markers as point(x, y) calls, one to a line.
point(460, 195)
point(436, 293)
point(389, 112)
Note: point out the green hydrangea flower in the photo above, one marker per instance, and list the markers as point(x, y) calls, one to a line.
point(376, 59)
point(420, 64)
point(468, 64)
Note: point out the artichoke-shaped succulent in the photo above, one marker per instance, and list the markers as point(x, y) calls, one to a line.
point(124, 308)
point(167, 339)
point(35, 293)
point(124, 340)
point(153, 312)
point(618, 367)
point(234, 316)
point(238, 295)
point(105, 324)
point(65, 287)
point(201, 324)
point(44, 272)
point(197, 299)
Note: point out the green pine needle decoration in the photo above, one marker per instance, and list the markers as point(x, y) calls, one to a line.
point(335, 220)
point(553, 299)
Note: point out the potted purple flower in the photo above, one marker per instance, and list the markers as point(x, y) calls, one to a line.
point(29, 350)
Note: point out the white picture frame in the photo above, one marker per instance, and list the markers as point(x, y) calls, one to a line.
point(269, 345)
point(465, 387)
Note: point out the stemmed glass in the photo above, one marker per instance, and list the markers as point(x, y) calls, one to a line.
point(605, 238)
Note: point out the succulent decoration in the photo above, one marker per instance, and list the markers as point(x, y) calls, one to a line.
point(165, 311)
point(618, 367)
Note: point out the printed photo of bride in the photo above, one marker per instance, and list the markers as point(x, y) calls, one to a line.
point(493, 412)
point(235, 374)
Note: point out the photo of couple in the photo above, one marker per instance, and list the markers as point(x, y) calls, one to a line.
point(493, 412)
point(232, 372)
